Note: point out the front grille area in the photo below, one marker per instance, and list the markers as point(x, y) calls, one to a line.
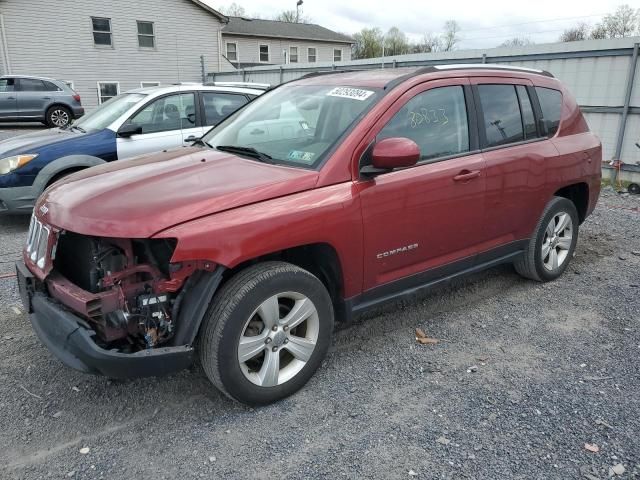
point(37, 242)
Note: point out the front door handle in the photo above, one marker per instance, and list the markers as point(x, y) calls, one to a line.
point(466, 175)
point(11, 98)
point(46, 98)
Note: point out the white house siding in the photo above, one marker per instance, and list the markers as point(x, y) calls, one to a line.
point(248, 49)
point(55, 39)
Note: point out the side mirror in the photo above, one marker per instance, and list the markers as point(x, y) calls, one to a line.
point(390, 153)
point(129, 129)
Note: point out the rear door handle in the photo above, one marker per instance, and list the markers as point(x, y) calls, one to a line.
point(466, 175)
point(46, 98)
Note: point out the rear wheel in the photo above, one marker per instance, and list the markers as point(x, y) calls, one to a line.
point(58, 116)
point(266, 332)
point(551, 248)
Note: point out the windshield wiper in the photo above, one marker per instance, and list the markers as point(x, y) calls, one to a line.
point(80, 129)
point(248, 151)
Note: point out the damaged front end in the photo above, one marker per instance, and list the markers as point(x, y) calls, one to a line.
point(112, 305)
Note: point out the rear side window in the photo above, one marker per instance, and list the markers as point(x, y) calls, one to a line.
point(501, 113)
point(551, 105)
point(528, 119)
point(218, 106)
point(436, 120)
point(31, 85)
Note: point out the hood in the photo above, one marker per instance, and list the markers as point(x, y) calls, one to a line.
point(139, 197)
point(32, 142)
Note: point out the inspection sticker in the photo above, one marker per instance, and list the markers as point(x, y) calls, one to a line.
point(306, 157)
point(353, 93)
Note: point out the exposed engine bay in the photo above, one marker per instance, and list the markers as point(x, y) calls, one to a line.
point(126, 290)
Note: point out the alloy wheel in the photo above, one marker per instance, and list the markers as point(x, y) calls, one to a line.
point(278, 339)
point(557, 240)
point(59, 118)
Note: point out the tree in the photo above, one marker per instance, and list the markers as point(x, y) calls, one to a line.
point(598, 33)
point(429, 43)
point(450, 36)
point(517, 42)
point(576, 33)
point(623, 23)
point(395, 42)
point(368, 43)
point(291, 16)
point(233, 10)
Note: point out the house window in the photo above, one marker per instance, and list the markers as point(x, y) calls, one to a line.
point(107, 90)
point(232, 52)
point(102, 31)
point(311, 55)
point(337, 55)
point(293, 54)
point(149, 84)
point(146, 37)
point(264, 53)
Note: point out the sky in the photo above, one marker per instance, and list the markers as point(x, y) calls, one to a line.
point(484, 23)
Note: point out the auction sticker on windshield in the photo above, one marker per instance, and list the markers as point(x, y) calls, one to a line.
point(352, 93)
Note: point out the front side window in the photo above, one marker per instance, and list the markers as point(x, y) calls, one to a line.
point(101, 31)
point(7, 84)
point(311, 55)
point(107, 90)
point(218, 106)
point(501, 113)
point(31, 85)
point(172, 112)
point(551, 105)
point(109, 112)
point(232, 52)
point(436, 120)
point(264, 53)
point(146, 35)
point(337, 55)
point(294, 124)
point(293, 54)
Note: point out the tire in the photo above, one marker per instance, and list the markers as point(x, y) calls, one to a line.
point(58, 116)
point(240, 310)
point(536, 263)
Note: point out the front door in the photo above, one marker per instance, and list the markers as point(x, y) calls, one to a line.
point(428, 216)
point(8, 98)
point(167, 122)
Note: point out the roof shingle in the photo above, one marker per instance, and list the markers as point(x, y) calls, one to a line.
point(272, 28)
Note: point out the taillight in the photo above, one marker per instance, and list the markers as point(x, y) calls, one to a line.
point(76, 97)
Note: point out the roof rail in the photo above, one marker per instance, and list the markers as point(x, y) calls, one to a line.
point(327, 72)
point(255, 86)
point(490, 66)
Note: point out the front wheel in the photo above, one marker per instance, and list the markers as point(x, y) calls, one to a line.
point(266, 332)
point(553, 243)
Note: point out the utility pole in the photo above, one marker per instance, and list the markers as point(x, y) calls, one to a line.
point(202, 70)
point(300, 2)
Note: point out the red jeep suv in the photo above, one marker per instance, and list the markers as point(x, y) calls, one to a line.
point(321, 199)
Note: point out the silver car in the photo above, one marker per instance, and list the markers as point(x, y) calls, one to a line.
point(38, 99)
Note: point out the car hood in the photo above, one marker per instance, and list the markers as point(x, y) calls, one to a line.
point(32, 142)
point(139, 197)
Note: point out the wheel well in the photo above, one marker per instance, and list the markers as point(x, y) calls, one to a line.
point(578, 193)
point(63, 173)
point(59, 105)
point(320, 259)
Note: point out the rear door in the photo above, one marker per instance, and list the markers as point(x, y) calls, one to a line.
point(167, 122)
point(33, 97)
point(8, 98)
point(428, 216)
point(515, 154)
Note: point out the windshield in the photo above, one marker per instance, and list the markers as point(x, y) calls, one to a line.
point(108, 112)
point(293, 125)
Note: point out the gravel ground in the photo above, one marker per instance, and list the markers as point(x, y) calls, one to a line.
point(524, 376)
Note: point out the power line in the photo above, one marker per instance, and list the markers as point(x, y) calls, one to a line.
point(531, 22)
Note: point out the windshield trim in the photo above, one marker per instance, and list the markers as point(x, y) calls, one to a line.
point(380, 93)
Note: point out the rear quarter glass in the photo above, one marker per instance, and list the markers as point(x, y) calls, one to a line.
point(551, 105)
